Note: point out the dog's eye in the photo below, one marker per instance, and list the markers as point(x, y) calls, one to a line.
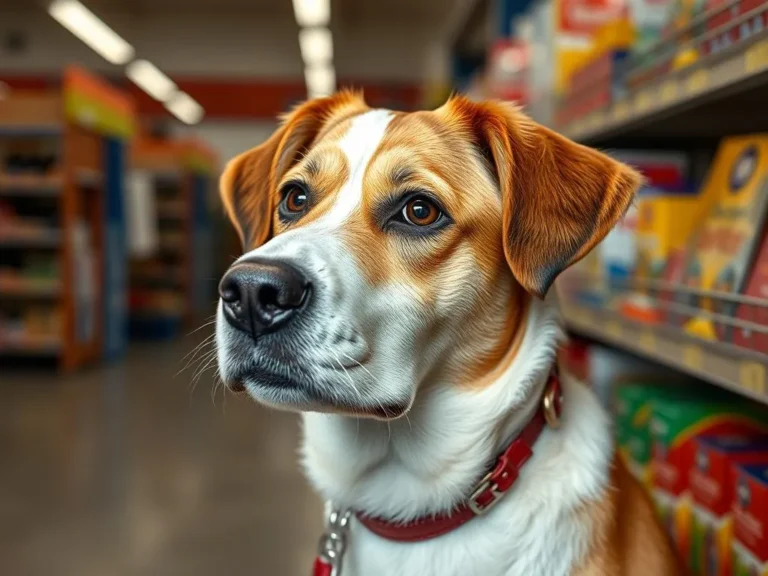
point(421, 212)
point(295, 200)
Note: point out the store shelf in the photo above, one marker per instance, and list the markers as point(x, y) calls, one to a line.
point(20, 287)
point(31, 184)
point(721, 93)
point(42, 130)
point(10, 237)
point(30, 346)
point(737, 369)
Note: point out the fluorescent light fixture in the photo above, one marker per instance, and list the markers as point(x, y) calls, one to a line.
point(316, 46)
point(149, 78)
point(311, 13)
point(185, 108)
point(321, 80)
point(90, 29)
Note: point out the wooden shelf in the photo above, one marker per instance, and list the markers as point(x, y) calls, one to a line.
point(31, 184)
point(30, 346)
point(20, 287)
point(681, 104)
point(26, 238)
point(737, 369)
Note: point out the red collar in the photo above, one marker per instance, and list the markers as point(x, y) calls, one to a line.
point(490, 489)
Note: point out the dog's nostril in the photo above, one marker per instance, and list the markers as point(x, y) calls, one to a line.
point(268, 297)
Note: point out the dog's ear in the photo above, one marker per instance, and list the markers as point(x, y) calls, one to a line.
point(248, 184)
point(559, 198)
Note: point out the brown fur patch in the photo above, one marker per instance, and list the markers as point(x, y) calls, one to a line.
point(627, 539)
point(249, 183)
point(559, 198)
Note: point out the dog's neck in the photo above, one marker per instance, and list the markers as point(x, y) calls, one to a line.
point(429, 461)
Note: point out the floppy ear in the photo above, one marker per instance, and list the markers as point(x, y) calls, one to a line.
point(559, 198)
point(248, 185)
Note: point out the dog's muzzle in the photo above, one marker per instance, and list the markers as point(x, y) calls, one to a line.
point(261, 296)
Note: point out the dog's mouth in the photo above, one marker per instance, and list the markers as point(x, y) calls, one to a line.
point(334, 393)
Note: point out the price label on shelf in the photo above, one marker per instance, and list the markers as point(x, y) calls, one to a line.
point(621, 111)
point(668, 91)
point(643, 101)
point(756, 58)
point(648, 341)
point(692, 356)
point(752, 377)
point(580, 316)
point(697, 82)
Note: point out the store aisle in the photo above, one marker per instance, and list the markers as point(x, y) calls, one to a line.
point(125, 470)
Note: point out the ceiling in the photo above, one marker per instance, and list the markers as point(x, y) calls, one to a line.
point(343, 11)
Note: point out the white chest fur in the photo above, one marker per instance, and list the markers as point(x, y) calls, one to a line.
point(429, 463)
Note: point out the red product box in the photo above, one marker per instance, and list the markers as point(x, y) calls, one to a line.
point(758, 288)
point(712, 485)
point(731, 24)
point(750, 520)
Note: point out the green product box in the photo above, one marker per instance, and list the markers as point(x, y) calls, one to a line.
point(676, 421)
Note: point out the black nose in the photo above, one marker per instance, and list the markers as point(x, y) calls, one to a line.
point(261, 296)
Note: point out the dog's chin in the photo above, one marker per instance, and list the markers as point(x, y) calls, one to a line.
point(284, 393)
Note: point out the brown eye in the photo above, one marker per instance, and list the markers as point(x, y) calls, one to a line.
point(295, 200)
point(421, 212)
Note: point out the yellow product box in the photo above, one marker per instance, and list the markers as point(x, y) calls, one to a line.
point(721, 253)
point(665, 224)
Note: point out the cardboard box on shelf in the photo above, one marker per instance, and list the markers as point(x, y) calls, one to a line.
point(633, 408)
point(675, 424)
point(757, 287)
point(712, 487)
point(721, 252)
point(750, 520)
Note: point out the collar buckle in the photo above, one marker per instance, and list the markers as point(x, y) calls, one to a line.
point(485, 496)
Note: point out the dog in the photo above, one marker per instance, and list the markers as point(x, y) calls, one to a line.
point(395, 289)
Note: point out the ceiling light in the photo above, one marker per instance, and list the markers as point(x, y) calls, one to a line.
point(149, 78)
point(185, 108)
point(321, 80)
point(90, 29)
point(316, 46)
point(312, 12)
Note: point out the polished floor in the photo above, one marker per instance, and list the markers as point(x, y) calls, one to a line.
point(129, 470)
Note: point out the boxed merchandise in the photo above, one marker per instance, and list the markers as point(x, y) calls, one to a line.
point(712, 488)
point(757, 287)
point(722, 250)
point(675, 424)
point(633, 409)
point(750, 520)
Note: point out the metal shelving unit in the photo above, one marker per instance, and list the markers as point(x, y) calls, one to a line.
point(737, 369)
point(721, 93)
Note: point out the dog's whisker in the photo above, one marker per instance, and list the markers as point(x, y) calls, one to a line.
point(210, 320)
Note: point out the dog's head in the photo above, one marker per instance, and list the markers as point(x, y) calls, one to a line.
point(386, 250)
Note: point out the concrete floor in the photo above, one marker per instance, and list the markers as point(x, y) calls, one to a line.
point(126, 470)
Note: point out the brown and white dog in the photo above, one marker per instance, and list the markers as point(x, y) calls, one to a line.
point(393, 289)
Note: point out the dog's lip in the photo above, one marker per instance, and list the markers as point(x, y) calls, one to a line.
point(343, 363)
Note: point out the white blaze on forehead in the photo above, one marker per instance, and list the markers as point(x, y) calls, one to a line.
point(358, 144)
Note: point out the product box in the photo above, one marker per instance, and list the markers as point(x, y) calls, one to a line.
point(711, 482)
point(633, 407)
point(757, 287)
point(750, 520)
point(677, 420)
point(721, 252)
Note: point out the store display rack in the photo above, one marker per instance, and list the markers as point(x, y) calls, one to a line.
point(665, 340)
point(61, 263)
point(169, 285)
point(721, 92)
